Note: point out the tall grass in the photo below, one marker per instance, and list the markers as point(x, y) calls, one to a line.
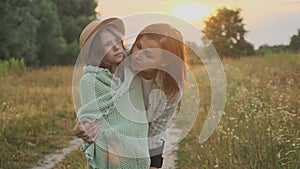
point(36, 114)
point(261, 126)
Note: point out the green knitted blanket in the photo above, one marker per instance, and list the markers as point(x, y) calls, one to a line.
point(122, 138)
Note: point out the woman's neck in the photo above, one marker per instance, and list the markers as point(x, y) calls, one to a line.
point(148, 74)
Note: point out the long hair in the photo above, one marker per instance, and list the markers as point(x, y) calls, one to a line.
point(170, 39)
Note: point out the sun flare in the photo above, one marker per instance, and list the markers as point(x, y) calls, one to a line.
point(191, 11)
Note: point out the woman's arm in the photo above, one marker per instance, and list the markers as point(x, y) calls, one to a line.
point(87, 129)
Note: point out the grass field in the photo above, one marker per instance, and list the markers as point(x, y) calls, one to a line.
point(261, 125)
point(260, 129)
point(36, 114)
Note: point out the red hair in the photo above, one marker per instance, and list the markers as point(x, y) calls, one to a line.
point(170, 39)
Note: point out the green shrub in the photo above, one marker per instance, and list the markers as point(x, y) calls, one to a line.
point(12, 65)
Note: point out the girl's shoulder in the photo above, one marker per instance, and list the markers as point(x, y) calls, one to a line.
point(92, 74)
point(96, 70)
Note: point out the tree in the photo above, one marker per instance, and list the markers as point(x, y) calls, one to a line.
point(43, 32)
point(50, 41)
point(295, 42)
point(74, 15)
point(18, 31)
point(226, 31)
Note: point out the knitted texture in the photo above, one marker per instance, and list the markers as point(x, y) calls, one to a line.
point(122, 137)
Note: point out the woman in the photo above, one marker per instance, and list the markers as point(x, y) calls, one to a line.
point(155, 56)
point(158, 46)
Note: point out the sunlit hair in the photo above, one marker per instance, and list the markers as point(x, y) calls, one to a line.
point(96, 50)
point(169, 39)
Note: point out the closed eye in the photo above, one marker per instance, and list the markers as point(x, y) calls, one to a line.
point(139, 45)
point(108, 44)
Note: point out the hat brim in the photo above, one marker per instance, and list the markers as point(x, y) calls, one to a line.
point(96, 25)
point(117, 22)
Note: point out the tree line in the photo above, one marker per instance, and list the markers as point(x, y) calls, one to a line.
point(227, 33)
point(43, 32)
point(293, 46)
point(46, 32)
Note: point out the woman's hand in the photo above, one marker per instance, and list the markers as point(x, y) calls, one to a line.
point(87, 129)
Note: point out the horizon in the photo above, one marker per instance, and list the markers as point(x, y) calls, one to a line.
point(266, 26)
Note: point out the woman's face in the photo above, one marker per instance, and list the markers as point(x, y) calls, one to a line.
point(146, 55)
point(113, 48)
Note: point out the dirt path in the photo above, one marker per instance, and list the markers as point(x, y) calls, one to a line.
point(170, 156)
point(50, 160)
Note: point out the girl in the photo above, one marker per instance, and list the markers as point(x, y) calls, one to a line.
point(120, 142)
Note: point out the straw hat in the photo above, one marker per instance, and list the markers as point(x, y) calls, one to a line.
point(97, 24)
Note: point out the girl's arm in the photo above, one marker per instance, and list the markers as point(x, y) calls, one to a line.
point(95, 96)
point(87, 127)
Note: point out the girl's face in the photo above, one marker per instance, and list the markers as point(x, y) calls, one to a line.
point(146, 55)
point(113, 48)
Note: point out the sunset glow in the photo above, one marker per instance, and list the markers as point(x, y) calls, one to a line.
point(191, 11)
point(280, 16)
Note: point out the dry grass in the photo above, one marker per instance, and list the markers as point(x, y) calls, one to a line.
point(261, 126)
point(36, 114)
point(75, 160)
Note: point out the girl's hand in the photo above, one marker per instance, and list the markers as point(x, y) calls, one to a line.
point(87, 129)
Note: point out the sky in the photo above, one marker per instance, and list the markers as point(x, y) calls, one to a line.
point(270, 22)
